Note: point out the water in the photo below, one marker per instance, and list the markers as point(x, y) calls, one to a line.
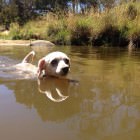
point(103, 105)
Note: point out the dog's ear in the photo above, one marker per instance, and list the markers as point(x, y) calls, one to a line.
point(41, 67)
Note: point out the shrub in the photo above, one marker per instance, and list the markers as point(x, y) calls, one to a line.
point(58, 32)
point(15, 31)
point(131, 12)
point(81, 32)
point(115, 26)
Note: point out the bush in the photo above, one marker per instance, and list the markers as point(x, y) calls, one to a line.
point(58, 32)
point(15, 31)
point(131, 12)
point(115, 26)
point(82, 31)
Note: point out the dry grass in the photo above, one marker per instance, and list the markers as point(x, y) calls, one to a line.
point(114, 26)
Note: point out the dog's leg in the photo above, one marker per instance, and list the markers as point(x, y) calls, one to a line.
point(29, 57)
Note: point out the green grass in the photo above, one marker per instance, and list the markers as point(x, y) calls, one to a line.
point(116, 26)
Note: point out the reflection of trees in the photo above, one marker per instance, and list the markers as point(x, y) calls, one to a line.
point(101, 112)
point(105, 53)
point(115, 114)
point(110, 106)
point(26, 92)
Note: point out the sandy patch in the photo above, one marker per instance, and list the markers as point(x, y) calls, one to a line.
point(14, 42)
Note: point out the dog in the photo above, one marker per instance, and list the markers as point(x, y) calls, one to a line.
point(51, 72)
point(56, 64)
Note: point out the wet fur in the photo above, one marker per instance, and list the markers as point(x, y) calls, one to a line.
point(45, 65)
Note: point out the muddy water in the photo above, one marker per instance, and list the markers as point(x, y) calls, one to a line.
point(103, 105)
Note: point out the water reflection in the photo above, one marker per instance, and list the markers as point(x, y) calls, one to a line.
point(104, 105)
point(57, 90)
point(29, 93)
point(114, 115)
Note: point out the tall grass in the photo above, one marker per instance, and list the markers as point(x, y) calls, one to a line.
point(116, 26)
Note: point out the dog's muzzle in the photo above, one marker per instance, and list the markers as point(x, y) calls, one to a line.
point(64, 71)
point(62, 68)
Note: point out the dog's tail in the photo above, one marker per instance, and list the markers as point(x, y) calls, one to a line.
point(29, 57)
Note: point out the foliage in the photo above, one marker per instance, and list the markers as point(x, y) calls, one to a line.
point(15, 11)
point(115, 26)
point(81, 30)
point(21, 11)
point(15, 31)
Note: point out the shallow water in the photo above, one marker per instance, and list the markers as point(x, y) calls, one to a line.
point(103, 105)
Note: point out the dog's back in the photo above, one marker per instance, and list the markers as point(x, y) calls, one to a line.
point(23, 70)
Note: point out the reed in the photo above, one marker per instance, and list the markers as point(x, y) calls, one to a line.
point(116, 26)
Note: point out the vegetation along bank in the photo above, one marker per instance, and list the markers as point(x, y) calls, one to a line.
point(116, 26)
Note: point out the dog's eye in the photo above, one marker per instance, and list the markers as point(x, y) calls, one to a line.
point(54, 62)
point(66, 61)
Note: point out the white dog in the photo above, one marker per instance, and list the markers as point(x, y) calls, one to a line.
point(54, 64)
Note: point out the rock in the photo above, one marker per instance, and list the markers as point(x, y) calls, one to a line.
point(43, 43)
point(5, 32)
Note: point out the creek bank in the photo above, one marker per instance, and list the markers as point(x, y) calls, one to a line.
point(38, 43)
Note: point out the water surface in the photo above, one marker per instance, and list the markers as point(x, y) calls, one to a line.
point(103, 105)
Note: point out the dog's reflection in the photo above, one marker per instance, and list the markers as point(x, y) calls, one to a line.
point(56, 89)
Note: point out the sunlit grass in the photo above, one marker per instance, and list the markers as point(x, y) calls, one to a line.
point(116, 25)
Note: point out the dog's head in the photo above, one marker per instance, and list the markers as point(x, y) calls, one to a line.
point(54, 64)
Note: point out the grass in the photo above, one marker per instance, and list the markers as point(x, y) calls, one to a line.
point(116, 26)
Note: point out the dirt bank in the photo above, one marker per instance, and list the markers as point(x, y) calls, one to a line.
point(38, 43)
point(15, 42)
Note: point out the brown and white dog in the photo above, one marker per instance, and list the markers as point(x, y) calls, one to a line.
point(55, 64)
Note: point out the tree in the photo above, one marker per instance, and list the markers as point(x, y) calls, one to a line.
point(16, 11)
point(7, 14)
point(24, 10)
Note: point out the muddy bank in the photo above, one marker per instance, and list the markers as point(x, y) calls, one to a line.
point(15, 42)
point(43, 43)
